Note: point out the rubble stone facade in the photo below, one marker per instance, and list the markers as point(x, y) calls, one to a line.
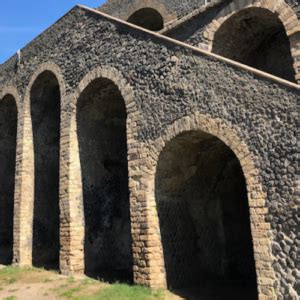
point(116, 127)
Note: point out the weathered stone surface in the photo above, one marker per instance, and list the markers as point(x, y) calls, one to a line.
point(215, 28)
point(168, 89)
point(182, 8)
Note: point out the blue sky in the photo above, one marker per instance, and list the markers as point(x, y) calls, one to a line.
point(22, 20)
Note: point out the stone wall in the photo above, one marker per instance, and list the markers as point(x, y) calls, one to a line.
point(180, 9)
point(253, 114)
point(191, 31)
point(198, 25)
point(213, 28)
point(177, 8)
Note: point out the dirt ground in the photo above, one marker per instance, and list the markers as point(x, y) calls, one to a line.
point(39, 284)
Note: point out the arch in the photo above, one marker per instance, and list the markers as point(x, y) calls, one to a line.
point(133, 114)
point(149, 4)
point(13, 91)
point(260, 229)
point(8, 143)
point(280, 9)
point(45, 103)
point(104, 107)
point(41, 68)
point(203, 211)
point(148, 18)
point(25, 168)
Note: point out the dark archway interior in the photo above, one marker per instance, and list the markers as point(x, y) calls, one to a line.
point(148, 18)
point(101, 124)
point(204, 219)
point(45, 115)
point(8, 137)
point(256, 37)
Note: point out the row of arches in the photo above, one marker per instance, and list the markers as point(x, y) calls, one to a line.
point(200, 192)
point(101, 121)
point(254, 36)
point(101, 132)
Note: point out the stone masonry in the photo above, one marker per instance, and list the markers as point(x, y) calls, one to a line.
point(165, 158)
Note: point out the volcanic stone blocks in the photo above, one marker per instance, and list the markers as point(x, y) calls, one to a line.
point(252, 113)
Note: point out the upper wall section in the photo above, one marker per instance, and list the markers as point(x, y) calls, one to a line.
point(259, 33)
point(171, 10)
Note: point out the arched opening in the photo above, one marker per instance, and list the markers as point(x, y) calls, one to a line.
point(256, 37)
point(204, 219)
point(101, 125)
point(8, 137)
point(45, 116)
point(148, 18)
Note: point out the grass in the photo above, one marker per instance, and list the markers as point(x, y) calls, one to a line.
point(70, 292)
point(82, 291)
point(10, 275)
point(70, 287)
point(11, 271)
point(125, 292)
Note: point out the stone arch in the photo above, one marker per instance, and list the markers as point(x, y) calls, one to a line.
point(148, 18)
point(260, 229)
point(280, 9)
point(13, 91)
point(125, 89)
point(51, 67)
point(105, 116)
point(47, 78)
point(45, 118)
point(149, 4)
point(9, 103)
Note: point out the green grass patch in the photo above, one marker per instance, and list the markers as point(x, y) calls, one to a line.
point(75, 288)
point(70, 292)
point(71, 279)
point(88, 280)
point(10, 275)
point(10, 298)
point(11, 271)
point(124, 292)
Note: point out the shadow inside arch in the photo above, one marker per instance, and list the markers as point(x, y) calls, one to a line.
point(204, 219)
point(101, 124)
point(256, 37)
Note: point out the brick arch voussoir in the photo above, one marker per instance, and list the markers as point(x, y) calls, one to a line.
point(53, 68)
point(155, 4)
point(217, 128)
point(125, 89)
point(285, 13)
point(256, 196)
point(13, 91)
